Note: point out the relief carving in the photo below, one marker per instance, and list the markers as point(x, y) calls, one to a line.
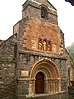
point(44, 45)
point(40, 44)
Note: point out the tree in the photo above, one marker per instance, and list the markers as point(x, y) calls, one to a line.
point(70, 1)
point(71, 50)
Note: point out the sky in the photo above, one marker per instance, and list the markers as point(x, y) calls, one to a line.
point(11, 13)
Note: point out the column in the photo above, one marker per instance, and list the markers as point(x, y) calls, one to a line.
point(32, 87)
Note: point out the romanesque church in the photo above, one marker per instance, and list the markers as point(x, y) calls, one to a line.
point(34, 61)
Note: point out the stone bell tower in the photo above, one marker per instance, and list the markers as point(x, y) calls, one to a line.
point(44, 30)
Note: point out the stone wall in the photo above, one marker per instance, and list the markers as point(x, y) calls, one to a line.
point(7, 68)
point(1, 41)
point(33, 9)
point(26, 62)
point(32, 30)
point(39, 34)
point(70, 68)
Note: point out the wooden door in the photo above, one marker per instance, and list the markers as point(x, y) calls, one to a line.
point(39, 83)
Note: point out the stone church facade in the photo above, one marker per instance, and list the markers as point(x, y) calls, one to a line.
point(33, 60)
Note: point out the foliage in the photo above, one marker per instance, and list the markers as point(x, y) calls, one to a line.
point(70, 1)
point(71, 50)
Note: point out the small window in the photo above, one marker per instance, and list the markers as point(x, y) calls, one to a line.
point(44, 13)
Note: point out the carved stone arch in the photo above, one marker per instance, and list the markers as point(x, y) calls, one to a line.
point(52, 66)
point(45, 39)
point(45, 75)
point(51, 76)
point(40, 44)
point(49, 46)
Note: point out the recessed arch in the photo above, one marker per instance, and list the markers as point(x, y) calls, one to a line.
point(50, 66)
point(51, 76)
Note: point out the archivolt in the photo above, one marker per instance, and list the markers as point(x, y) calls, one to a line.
point(48, 67)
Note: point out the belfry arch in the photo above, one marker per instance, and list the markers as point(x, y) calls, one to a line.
point(50, 77)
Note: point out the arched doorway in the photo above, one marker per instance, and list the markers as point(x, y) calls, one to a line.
point(44, 78)
point(39, 83)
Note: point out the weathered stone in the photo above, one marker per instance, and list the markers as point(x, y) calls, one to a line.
point(35, 48)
